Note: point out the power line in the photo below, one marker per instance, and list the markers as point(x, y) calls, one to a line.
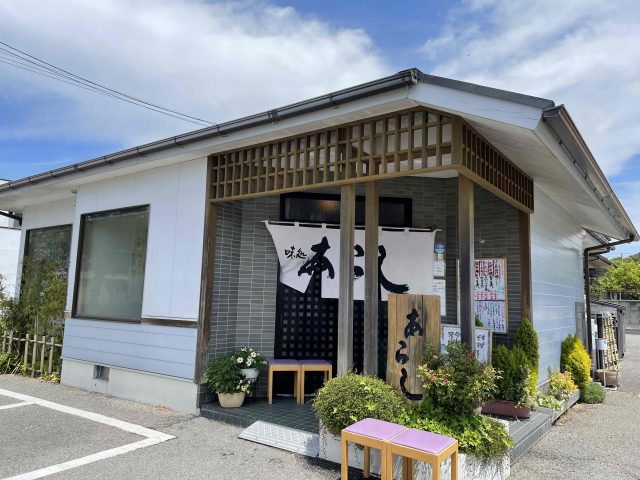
point(19, 59)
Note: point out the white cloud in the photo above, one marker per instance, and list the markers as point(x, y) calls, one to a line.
point(583, 53)
point(217, 61)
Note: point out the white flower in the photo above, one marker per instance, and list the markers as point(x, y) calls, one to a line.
point(249, 362)
point(253, 354)
point(240, 360)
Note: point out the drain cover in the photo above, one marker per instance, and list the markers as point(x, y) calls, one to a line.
point(285, 438)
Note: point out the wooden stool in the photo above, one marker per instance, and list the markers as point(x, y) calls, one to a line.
point(425, 446)
point(284, 366)
point(368, 433)
point(313, 366)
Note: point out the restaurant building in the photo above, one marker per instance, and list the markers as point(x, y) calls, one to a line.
point(180, 249)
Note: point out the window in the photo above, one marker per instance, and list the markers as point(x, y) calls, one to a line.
point(51, 244)
point(112, 254)
point(319, 208)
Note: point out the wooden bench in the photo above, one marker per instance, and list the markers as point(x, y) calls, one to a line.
point(413, 444)
point(369, 433)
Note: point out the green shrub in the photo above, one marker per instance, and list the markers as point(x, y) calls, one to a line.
point(513, 375)
point(561, 385)
point(575, 359)
point(224, 376)
point(40, 306)
point(456, 381)
point(350, 398)
point(592, 393)
point(9, 363)
point(477, 435)
point(549, 401)
point(527, 339)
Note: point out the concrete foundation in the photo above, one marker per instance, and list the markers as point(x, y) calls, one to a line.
point(177, 394)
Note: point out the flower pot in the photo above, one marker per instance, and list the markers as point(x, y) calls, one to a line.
point(231, 400)
point(609, 377)
point(505, 408)
point(250, 373)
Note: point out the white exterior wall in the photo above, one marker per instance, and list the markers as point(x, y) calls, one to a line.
point(176, 198)
point(9, 253)
point(45, 215)
point(557, 278)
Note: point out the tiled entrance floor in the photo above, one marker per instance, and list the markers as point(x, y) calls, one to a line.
point(283, 411)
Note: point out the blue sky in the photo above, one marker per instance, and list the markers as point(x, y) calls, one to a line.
point(221, 60)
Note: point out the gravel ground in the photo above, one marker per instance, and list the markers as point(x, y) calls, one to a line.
point(594, 441)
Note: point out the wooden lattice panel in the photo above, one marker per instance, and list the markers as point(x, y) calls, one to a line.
point(401, 143)
point(481, 158)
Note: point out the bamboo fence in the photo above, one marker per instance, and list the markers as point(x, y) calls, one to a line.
point(40, 354)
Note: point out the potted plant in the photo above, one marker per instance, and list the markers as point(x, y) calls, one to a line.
point(225, 377)
point(249, 361)
point(513, 394)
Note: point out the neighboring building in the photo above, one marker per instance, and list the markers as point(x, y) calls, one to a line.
point(170, 262)
point(9, 245)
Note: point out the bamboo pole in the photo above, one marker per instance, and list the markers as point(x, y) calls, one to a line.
point(51, 349)
point(42, 352)
point(34, 355)
point(26, 349)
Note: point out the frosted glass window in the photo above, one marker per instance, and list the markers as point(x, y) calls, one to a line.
point(112, 261)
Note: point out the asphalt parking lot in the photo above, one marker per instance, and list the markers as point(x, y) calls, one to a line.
point(59, 432)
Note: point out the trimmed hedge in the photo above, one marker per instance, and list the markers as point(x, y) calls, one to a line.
point(350, 398)
point(593, 393)
point(575, 359)
point(527, 339)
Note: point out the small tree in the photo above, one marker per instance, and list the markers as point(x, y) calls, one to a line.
point(527, 339)
point(622, 277)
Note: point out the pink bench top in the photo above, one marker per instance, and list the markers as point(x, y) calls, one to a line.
point(314, 362)
point(373, 428)
point(284, 361)
point(422, 440)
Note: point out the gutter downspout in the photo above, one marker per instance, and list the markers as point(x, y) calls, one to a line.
point(587, 287)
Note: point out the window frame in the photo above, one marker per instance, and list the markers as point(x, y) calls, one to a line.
point(78, 266)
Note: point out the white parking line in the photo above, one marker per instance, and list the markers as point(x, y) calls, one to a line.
point(152, 437)
point(14, 405)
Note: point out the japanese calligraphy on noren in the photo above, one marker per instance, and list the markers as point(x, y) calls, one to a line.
point(404, 259)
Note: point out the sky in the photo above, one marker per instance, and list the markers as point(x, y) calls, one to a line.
point(223, 60)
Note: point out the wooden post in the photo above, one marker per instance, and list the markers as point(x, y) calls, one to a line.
point(206, 282)
point(466, 255)
point(525, 263)
point(34, 355)
point(26, 349)
point(42, 352)
point(345, 296)
point(371, 291)
point(51, 349)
